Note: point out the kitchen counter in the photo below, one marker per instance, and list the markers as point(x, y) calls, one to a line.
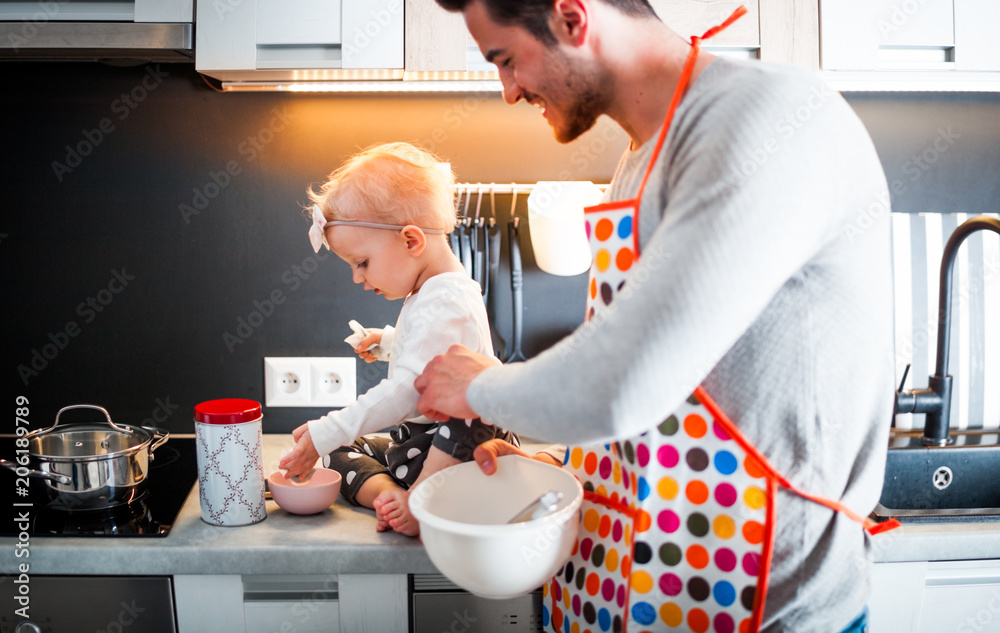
point(938, 542)
point(341, 539)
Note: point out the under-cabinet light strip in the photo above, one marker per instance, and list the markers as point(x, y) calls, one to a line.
point(366, 86)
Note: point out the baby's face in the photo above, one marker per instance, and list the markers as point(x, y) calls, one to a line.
point(378, 259)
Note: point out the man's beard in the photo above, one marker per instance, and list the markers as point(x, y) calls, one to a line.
point(590, 100)
point(583, 117)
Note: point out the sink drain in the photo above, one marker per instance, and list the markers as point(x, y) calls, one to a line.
point(942, 477)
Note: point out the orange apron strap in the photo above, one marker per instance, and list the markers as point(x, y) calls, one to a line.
point(676, 99)
point(870, 526)
point(715, 30)
point(760, 597)
point(682, 83)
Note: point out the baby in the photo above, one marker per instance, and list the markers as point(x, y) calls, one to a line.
point(387, 212)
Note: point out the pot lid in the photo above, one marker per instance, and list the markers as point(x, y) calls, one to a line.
point(227, 411)
point(71, 442)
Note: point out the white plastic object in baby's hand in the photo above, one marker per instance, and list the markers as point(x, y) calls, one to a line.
point(360, 332)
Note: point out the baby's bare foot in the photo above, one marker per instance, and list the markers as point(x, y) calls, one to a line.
point(392, 507)
point(381, 524)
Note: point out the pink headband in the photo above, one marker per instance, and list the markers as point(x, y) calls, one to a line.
point(317, 232)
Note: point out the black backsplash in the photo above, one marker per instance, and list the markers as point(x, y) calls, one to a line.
point(154, 244)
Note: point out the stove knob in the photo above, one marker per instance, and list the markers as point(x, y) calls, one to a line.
point(27, 627)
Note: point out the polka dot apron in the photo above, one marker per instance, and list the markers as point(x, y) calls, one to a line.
point(677, 524)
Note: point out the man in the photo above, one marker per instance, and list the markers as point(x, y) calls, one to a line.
point(765, 277)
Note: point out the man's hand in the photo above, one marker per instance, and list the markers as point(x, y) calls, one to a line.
point(486, 455)
point(445, 380)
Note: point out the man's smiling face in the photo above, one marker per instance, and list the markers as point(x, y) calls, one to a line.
point(570, 95)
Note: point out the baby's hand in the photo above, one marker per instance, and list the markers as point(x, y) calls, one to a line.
point(365, 341)
point(374, 337)
point(303, 455)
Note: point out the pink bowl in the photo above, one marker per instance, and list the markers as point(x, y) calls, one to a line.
point(314, 496)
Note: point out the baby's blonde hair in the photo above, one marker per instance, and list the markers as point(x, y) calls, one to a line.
point(394, 183)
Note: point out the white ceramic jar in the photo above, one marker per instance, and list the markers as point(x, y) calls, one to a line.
point(556, 223)
point(230, 462)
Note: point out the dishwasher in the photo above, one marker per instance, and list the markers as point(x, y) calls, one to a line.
point(439, 606)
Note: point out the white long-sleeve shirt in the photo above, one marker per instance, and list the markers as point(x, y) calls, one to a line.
point(765, 276)
point(447, 310)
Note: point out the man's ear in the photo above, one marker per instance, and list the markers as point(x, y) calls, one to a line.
point(570, 20)
point(415, 238)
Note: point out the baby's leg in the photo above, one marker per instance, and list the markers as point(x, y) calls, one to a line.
point(365, 475)
point(392, 506)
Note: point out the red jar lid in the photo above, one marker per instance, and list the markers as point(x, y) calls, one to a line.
point(227, 411)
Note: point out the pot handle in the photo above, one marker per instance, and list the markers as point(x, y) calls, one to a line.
point(107, 415)
point(6, 463)
point(162, 435)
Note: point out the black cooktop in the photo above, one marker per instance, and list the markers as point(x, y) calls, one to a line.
point(172, 473)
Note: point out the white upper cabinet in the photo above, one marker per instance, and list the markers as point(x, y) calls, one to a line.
point(909, 35)
point(917, 23)
point(975, 28)
point(279, 40)
point(874, 34)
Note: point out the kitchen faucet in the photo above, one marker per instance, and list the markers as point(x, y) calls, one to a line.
point(935, 400)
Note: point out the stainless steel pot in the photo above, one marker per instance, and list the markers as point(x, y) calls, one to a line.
point(89, 466)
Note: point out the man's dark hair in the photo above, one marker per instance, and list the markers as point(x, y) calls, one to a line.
point(533, 15)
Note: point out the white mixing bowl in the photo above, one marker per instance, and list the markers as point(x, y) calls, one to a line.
point(463, 518)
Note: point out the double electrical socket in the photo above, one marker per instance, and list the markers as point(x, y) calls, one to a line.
point(310, 381)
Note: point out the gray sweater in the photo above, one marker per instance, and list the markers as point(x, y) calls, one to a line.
point(765, 276)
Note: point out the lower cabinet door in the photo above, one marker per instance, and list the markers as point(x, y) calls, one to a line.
point(87, 603)
point(461, 612)
point(961, 597)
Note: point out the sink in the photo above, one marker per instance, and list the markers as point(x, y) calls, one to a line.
point(958, 482)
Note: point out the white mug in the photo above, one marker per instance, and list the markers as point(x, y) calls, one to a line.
point(555, 221)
